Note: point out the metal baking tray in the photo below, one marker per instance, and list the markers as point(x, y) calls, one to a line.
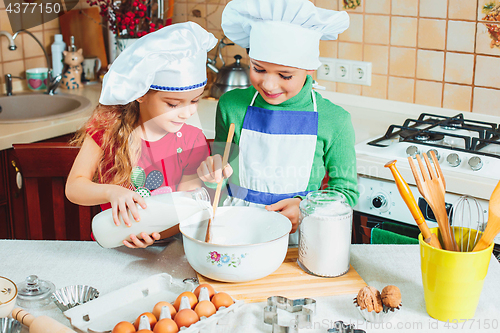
point(126, 304)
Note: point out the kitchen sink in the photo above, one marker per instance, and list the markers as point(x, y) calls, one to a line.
point(39, 107)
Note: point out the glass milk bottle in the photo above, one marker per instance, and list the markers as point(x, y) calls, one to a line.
point(163, 211)
point(325, 233)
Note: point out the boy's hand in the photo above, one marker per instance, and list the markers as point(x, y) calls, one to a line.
point(210, 169)
point(288, 208)
point(122, 200)
point(141, 243)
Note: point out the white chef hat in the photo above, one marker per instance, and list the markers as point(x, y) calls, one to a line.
point(171, 59)
point(284, 32)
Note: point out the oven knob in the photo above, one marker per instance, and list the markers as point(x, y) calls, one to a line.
point(475, 163)
point(435, 152)
point(379, 201)
point(412, 151)
point(453, 159)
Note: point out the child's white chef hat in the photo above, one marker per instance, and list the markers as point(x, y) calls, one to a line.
point(171, 59)
point(284, 32)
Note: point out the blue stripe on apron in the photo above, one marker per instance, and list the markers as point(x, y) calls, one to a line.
point(263, 198)
point(281, 122)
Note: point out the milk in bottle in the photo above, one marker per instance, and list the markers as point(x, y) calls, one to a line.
point(163, 212)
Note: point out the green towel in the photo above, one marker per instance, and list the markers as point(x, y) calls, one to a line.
point(394, 233)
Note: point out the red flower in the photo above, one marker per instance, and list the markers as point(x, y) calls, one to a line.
point(128, 18)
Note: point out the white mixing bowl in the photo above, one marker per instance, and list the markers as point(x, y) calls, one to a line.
point(248, 243)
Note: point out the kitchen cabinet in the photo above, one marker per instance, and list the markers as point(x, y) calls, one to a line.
point(13, 207)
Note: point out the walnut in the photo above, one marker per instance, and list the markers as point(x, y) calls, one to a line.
point(391, 296)
point(369, 298)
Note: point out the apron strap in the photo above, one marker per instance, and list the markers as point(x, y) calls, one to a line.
point(257, 197)
point(315, 106)
point(254, 97)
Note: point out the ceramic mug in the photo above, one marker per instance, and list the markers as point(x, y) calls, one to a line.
point(37, 78)
point(91, 66)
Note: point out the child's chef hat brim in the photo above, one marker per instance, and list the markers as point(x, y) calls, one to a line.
point(170, 59)
point(285, 32)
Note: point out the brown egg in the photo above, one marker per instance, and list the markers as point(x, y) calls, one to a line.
point(144, 331)
point(151, 317)
point(166, 325)
point(193, 300)
point(205, 309)
point(157, 309)
point(186, 317)
point(123, 327)
point(211, 290)
point(222, 299)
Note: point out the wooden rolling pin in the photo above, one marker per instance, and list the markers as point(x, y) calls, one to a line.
point(42, 324)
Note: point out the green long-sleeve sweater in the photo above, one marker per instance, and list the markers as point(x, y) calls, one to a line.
point(334, 146)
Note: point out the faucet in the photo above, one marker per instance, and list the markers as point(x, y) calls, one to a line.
point(8, 83)
point(52, 83)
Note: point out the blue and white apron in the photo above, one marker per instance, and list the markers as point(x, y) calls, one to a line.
point(276, 155)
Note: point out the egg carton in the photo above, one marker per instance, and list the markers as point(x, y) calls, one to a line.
point(126, 304)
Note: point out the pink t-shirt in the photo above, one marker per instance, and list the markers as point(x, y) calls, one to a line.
point(165, 161)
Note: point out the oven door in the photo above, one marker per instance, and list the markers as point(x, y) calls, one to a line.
point(380, 202)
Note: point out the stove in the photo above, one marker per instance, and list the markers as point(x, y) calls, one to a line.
point(468, 152)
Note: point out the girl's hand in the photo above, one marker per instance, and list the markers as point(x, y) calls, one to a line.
point(141, 243)
point(210, 169)
point(122, 200)
point(288, 208)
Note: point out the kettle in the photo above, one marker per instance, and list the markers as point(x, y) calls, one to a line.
point(233, 76)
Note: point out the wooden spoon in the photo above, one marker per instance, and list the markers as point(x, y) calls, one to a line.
point(432, 187)
point(409, 199)
point(493, 225)
point(225, 157)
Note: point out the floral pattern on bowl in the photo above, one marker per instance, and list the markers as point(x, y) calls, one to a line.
point(219, 259)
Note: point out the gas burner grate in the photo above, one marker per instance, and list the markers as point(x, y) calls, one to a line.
point(419, 136)
point(425, 130)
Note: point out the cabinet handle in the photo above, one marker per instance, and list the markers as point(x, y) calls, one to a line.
point(19, 176)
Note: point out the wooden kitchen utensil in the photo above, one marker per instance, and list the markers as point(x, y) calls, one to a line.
point(42, 324)
point(408, 198)
point(493, 225)
point(432, 187)
point(225, 157)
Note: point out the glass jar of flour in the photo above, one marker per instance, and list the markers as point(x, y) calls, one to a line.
point(325, 233)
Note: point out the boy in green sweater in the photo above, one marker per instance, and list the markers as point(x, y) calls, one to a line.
point(288, 135)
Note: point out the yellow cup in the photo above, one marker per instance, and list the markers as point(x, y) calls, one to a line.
point(453, 280)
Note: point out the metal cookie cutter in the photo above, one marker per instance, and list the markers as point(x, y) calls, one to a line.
point(302, 308)
point(340, 327)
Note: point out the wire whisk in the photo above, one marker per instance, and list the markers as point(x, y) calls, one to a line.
point(466, 222)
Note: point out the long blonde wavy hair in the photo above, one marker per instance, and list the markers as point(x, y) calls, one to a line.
point(121, 144)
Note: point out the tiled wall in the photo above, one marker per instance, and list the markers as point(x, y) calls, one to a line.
point(28, 53)
point(430, 52)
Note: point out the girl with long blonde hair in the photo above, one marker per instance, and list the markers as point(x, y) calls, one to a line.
point(136, 142)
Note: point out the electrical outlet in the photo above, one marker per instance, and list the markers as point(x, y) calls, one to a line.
point(348, 71)
point(327, 69)
point(342, 71)
point(362, 73)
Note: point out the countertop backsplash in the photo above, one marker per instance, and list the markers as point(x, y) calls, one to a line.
point(428, 52)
